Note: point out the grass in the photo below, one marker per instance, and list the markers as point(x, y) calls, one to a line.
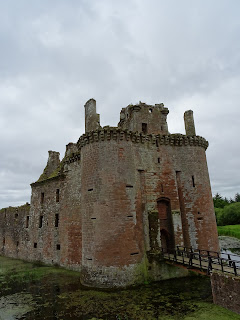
point(230, 230)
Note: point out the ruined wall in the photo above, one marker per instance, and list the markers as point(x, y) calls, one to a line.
point(14, 224)
point(225, 290)
point(55, 216)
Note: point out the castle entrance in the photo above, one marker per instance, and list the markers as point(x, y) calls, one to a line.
point(166, 224)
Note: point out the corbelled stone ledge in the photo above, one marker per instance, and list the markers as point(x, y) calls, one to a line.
point(112, 133)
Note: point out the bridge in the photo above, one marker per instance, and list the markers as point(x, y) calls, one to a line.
point(204, 259)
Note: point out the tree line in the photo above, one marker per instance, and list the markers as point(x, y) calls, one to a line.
point(227, 211)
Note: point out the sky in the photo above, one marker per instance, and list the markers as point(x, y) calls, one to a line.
point(55, 55)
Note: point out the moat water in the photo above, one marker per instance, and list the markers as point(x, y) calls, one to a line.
point(31, 291)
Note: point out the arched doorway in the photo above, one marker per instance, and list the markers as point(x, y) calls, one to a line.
point(166, 224)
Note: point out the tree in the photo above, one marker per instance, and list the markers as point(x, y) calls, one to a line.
point(219, 202)
point(237, 197)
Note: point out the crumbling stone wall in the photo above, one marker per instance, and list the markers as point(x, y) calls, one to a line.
point(14, 224)
point(119, 195)
point(225, 290)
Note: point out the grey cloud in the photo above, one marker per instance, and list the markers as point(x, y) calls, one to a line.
point(56, 55)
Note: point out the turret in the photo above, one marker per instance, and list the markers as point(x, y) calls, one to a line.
point(189, 123)
point(92, 118)
point(145, 118)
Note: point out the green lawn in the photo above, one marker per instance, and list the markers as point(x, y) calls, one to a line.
point(231, 230)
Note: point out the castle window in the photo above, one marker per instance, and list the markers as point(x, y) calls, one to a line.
point(150, 110)
point(161, 128)
point(56, 220)
point(35, 245)
point(134, 253)
point(193, 181)
point(17, 243)
point(159, 160)
point(157, 143)
point(162, 187)
point(42, 197)
point(57, 195)
point(144, 128)
point(16, 215)
point(3, 241)
point(58, 247)
point(40, 221)
point(27, 222)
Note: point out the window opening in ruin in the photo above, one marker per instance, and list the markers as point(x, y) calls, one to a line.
point(129, 216)
point(56, 220)
point(93, 218)
point(161, 128)
point(58, 247)
point(157, 143)
point(162, 187)
point(27, 222)
point(4, 241)
point(42, 197)
point(193, 181)
point(150, 110)
point(89, 259)
point(159, 160)
point(144, 128)
point(40, 221)
point(57, 195)
point(35, 245)
point(199, 212)
point(90, 189)
point(5, 213)
point(129, 186)
point(134, 253)
point(200, 218)
point(16, 215)
point(17, 243)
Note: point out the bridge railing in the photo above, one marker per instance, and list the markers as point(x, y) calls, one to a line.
point(204, 259)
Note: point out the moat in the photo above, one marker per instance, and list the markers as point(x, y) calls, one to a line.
point(32, 291)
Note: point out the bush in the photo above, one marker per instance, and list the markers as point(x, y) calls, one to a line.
point(228, 215)
point(219, 216)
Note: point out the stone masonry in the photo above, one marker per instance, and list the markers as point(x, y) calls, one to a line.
point(118, 195)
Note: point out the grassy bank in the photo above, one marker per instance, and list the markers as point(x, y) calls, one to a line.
point(231, 230)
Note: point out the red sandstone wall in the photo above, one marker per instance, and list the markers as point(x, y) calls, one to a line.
point(225, 289)
point(111, 214)
point(13, 231)
point(198, 217)
point(62, 243)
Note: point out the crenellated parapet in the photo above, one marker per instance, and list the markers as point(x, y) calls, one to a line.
point(113, 133)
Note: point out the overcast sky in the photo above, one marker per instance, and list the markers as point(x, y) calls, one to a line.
point(55, 55)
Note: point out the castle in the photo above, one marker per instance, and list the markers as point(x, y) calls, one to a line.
point(118, 196)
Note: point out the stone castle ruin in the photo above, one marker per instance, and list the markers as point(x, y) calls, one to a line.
point(118, 196)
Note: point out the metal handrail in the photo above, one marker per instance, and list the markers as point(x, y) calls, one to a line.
point(211, 258)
